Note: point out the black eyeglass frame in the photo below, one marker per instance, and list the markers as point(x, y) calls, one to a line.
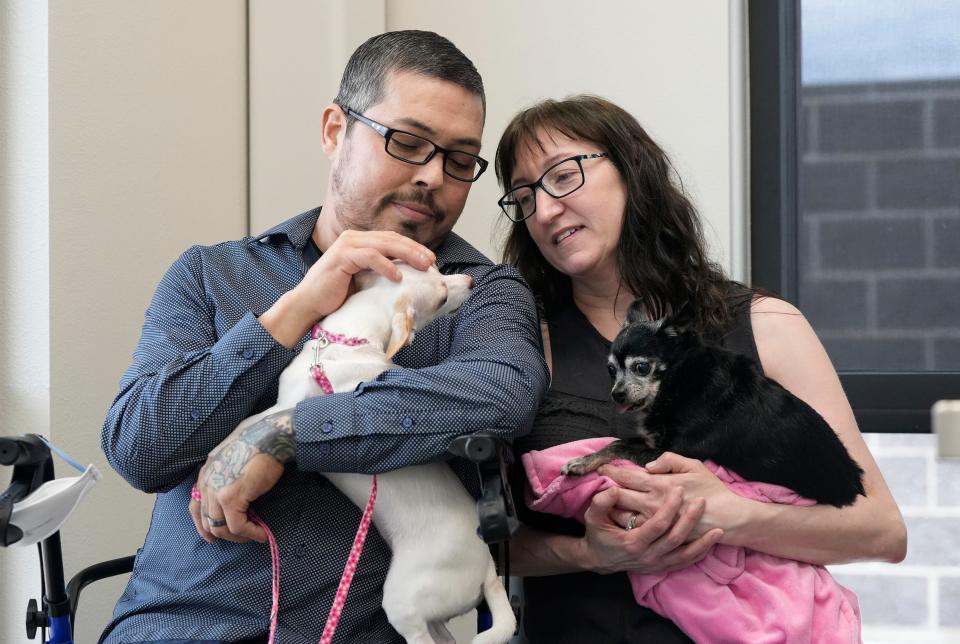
point(388, 132)
point(579, 158)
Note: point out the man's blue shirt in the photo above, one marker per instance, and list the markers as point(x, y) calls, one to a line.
point(204, 363)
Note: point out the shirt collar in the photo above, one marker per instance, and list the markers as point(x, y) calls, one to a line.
point(296, 230)
point(454, 249)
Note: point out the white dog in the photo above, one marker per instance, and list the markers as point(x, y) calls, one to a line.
point(430, 580)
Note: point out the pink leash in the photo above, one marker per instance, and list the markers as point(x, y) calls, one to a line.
point(350, 567)
point(345, 579)
point(324, 338)
point(316, 370)
point(275, 567)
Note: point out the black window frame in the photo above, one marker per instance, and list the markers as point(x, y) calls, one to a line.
point(884, 402)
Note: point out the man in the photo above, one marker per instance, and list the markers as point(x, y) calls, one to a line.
point(403, 136)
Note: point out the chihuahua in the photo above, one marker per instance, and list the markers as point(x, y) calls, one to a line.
point(678, 394)
point(429, 580)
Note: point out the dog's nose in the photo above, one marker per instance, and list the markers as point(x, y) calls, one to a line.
point(618, 395)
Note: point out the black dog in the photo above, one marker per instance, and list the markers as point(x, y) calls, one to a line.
point(681, 395)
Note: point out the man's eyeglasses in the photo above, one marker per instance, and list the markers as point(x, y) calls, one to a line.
point(417, 150)
point(560, 179)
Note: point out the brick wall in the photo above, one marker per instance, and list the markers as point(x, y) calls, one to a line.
point(918, 600)
point(880, 266)
point(880, 223)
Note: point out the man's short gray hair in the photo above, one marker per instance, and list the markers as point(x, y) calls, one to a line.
point(420, 52)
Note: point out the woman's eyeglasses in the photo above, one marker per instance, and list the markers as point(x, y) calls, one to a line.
point(560, 179)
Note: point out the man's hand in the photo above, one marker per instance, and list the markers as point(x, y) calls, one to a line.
point(329, 281)
point(245, 466)
point(661, 537)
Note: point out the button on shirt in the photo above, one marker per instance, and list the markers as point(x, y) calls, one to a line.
point(204, 363)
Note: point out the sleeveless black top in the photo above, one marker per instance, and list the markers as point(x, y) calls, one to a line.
point(588, 607)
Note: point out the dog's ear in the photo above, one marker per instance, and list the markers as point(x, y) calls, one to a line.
point(675, 324)
point(634, 313)
point(401, 326)
point(653, 326)
point(672, 326)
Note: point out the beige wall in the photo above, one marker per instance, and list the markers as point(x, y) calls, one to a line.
point(671, 64)
point(296, 60)
point(148, 153)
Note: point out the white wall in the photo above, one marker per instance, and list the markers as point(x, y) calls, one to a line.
point(147, 154)
point(149, 145)
point(24, 267)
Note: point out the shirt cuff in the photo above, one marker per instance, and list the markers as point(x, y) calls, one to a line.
point(334, 432)
point(247, 354)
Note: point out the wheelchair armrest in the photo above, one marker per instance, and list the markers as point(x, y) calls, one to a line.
point(94, 573)
point(498, 516)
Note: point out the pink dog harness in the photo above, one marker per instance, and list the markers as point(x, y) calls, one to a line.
point(324, 339)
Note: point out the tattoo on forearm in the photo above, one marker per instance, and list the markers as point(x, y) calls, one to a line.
point(272, 435)
point(226, 466)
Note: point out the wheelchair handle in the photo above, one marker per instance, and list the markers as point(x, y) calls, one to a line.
point(498, 517)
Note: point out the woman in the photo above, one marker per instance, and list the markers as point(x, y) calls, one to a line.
point(596, 222)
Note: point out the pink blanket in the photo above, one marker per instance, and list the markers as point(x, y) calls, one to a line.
point(734, 594)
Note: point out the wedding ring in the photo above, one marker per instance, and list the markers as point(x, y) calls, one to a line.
point(632, 521)
point(216, 523)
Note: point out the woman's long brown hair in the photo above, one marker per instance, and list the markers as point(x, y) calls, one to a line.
point(661, 256)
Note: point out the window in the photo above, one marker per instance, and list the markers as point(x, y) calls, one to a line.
point(855, 198)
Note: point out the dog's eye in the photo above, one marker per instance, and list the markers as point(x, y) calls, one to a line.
point(611, 369)
point(640, 368)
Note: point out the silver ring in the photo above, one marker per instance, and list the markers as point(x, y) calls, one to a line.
point(632, 521)
point(216, 523)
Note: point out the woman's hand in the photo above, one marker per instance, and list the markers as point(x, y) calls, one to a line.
point(647, 530)
point(723, 508)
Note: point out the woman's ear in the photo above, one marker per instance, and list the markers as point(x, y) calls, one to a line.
point(333, 129)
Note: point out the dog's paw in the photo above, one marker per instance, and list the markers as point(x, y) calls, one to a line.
point(578, 466)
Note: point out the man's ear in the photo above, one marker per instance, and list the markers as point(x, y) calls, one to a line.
point(401, 326)
point(333, 129)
